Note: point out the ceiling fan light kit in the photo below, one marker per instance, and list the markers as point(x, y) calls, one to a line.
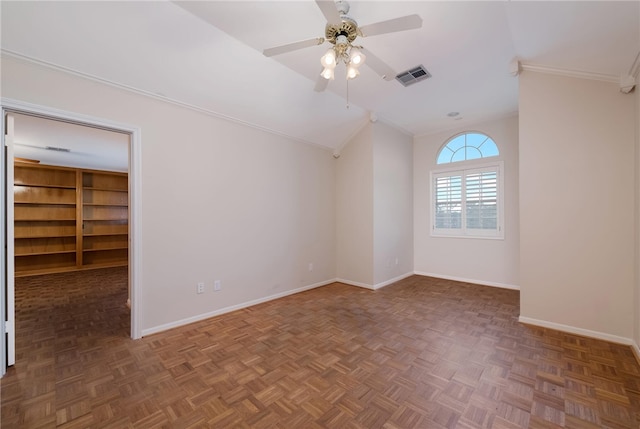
point(341, 31)
point(344, 52)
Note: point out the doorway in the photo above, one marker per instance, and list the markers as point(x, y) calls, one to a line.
point(132, 155)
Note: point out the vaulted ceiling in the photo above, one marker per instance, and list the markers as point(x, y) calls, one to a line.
point(208, 55)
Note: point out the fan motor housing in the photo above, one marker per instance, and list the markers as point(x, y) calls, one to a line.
point(348, 28)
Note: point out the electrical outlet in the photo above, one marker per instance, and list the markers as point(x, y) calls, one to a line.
point(396, 261)
point(217, 285)
point(310, 266)
point(200, 287)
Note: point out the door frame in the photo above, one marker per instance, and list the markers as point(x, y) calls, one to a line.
point(8, 276)
point(3, 260)
point(135, 181)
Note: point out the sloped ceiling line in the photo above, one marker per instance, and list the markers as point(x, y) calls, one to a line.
point(469, 64)
point(158, 97)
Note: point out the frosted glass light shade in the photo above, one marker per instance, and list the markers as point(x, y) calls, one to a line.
point(356, 57)
point(328, 60)
point(352, 72)
point(327, 73)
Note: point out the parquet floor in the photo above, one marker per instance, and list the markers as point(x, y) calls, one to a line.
point(422, 353)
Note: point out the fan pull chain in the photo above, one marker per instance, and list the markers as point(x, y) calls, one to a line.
point(347, 93)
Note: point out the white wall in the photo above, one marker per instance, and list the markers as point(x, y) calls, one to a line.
point(374, 208)
point(577, 194)
point(219, 200)
point(354, 210)
point(392, 204)
point(484, 261)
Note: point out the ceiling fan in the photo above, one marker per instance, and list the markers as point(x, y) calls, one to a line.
point(341, 31)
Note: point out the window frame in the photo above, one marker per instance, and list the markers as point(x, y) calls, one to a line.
point(464, 169)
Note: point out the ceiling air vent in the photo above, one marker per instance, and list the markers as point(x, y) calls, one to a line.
point(413, 75)
point(57, 149)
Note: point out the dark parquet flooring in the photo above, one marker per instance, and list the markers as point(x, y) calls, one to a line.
point(421, 353)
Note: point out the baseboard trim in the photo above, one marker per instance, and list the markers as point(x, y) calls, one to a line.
point(393, 280)
point(578, 331)
point(465, 280)
point(198, 318)
point(377, 285)
point(636, 351)
point(358, 284)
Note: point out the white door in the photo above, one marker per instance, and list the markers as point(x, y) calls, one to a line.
point(9, 254)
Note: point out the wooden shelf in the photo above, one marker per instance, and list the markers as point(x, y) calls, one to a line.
point(45, 263)
point(44, 229)
point(100, 220)
point(44, 236)
point(44, 220)
point(42, 185)
point(96, 180)
point(44, 246)
point(106, 248)
point(105, 235)
point(105, 227)
point(100, 213)
point(42, 203)
point(45, 253)
point(44, 176)
point(105, 256)
point(86, 188)
point(69, 219)
point(101, 243)
point(105, 265)
point(35, 272)
point(44, 212)
point(122, 221)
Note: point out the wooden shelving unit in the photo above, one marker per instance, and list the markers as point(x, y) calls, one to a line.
point(69, 219)
point(105, 212)
point(45, 219)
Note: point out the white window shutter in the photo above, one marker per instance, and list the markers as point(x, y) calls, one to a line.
point(482, 200)
point(448, 205)
point(467, 203)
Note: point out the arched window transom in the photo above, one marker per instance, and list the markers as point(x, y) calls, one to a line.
point(467, 146)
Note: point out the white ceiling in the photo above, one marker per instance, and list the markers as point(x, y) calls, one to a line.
point(88, 147)
point(208, 55)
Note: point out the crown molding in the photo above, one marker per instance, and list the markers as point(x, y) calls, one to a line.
point(570, 73)
point(138, 91)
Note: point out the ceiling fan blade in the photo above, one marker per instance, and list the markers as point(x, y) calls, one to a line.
point(379, 66)
point(269, 52)
point(321, 84)
point(330, 11)
point(403, 23)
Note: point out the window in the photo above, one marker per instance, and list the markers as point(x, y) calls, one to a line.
point(467, 201)
point(467, 146)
